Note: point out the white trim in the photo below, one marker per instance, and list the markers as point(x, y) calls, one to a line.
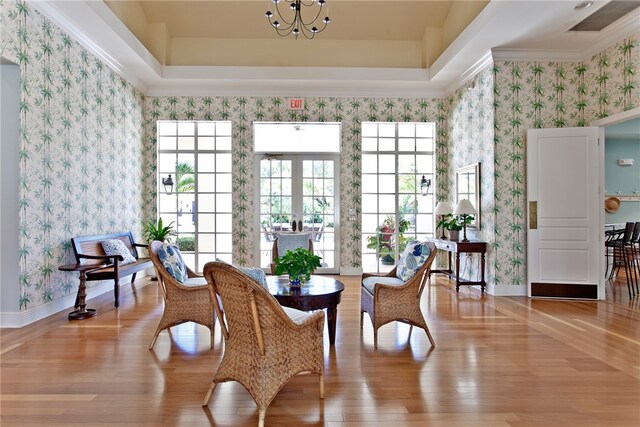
point(24, 318)
point(98, 30)
point(618, 118)
point(625, 27)
point(541, 55)
point(295, 82)
point(506, 290)
point(602, 123)
point(351, 271)
point(465, 77)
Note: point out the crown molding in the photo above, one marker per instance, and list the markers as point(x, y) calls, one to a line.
point(542, 55)
point(102, 34)
point(625, 27)
point(295, 81)
point(470, 73)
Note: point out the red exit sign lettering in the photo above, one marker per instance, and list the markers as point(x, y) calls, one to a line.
point(296, 103)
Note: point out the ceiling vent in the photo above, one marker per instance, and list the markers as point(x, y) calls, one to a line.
point(606, 15)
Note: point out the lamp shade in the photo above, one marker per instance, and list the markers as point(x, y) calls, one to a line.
point(464, 206)
point(443, 208)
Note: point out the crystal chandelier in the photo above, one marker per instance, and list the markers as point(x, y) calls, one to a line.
point(296, 24)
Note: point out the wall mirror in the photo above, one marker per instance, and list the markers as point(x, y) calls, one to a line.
point(468, 187)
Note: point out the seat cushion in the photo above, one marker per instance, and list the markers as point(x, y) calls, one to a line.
point(171, 260)
point(412, 258)
point(369, 282)
point(117, 247)
point(298, 316)
point(255, 273)
point(195, 281)
point(291, 242)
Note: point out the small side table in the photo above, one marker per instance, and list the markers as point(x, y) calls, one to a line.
point(457, 247)
point(82, 312)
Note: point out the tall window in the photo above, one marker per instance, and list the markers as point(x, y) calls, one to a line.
point(197, 155)
point(395, 156)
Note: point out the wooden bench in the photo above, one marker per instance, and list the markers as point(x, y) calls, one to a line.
point(88, 250)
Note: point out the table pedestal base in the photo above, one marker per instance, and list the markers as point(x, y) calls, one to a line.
point(79, 315)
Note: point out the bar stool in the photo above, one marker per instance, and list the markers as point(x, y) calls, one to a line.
point(622, 248)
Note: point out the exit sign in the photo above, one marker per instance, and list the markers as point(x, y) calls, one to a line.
point(296, 103)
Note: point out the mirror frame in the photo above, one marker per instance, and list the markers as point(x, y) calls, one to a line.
point(473, 171)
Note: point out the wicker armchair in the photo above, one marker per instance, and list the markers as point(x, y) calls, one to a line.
point(267, 344)
point(393, 300)
point(191, 301)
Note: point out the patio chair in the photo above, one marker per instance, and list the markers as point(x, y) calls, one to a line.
point(266, 344)
point(189, 300)
point(288, 242)
point(395, 296)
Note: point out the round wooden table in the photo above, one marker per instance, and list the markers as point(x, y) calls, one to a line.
point(320, 292)
point(82, 312)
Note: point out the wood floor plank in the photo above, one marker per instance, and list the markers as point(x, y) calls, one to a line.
point(498, 362)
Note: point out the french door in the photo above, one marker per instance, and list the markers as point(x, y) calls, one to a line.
point(299, 193)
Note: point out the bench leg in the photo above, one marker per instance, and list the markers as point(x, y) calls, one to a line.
point(116, 291)
point(133, 277)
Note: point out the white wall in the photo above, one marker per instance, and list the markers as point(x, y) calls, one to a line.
point(9, 142)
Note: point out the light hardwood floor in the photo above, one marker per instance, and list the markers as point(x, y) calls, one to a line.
point(498, 362)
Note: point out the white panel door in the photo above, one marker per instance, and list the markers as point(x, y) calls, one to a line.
point(564, 207)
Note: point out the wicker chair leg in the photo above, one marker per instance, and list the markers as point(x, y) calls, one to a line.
point(212, 333)
point(375, 337)
point(321, 386)
point(207, 398)
point(261, 414)
point(155, 337)
point(410, 330)
point(361, 318)
point(433, 344)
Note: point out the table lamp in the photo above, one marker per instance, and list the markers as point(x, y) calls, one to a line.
point(464, 208)
point(443, 208)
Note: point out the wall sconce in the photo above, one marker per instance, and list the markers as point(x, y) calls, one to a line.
point(424, 185)
point(168, 184)
point(464, 208)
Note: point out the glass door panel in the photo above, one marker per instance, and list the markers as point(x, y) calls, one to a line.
point(299, 191)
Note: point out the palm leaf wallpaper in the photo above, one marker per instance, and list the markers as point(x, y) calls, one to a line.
point(81, 159)
point(87, 144)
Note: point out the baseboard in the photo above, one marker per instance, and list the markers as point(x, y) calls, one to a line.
point(506, 290)
point(565, 291)
point(24, 318)
point(351, 271)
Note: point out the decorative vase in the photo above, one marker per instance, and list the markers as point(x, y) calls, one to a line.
point(387, 260)
point(454, 234)
point(294, 282)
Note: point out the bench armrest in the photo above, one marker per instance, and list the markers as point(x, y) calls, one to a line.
point(140, 245)
point(102, 257)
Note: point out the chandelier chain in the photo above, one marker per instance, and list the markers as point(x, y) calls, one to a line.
point(297, 25)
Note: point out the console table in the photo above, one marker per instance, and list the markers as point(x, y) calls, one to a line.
point(457, 247)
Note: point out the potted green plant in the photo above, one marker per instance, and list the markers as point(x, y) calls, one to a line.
point(384, 242)
point(453, 223)
point(298, 264)
point(156, 230)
